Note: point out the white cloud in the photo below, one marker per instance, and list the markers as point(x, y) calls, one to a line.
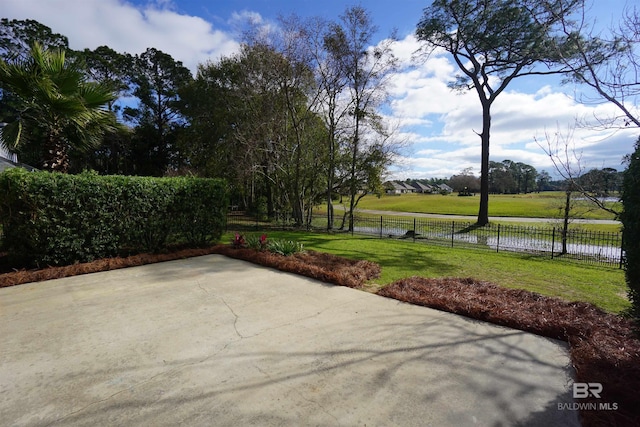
point(127, 28)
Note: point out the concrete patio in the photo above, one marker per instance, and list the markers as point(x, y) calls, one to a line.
point(216, 341)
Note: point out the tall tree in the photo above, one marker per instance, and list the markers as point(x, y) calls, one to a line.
point(156, 79)
point(52, 104)
point(18, 36)
point(366, 69)
point(259, 129)
point(331, 81)
point(210, 104)
point(111, 69)
point(543, 181)
point(492, 43)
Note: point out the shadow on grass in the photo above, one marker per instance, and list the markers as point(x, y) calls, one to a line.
point(382, 251)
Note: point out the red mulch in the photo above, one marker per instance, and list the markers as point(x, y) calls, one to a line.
point(603, 346)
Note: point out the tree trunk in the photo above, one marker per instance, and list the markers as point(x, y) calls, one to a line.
point(565, 222)
point(56, 153)
point(483, 211)
point(330, 173)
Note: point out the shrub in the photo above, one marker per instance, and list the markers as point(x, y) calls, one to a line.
point(258, 243)
point(285, 247)
point(57, 219)
point(630, 218)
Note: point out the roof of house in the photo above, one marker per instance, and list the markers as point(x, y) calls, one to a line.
point(394, 185)
point(407, 186)
point(8, 164)
point(421, 186)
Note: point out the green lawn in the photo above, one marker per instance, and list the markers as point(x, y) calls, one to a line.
point(536, 205)
point(602, 286)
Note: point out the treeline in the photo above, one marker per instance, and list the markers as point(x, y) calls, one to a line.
point(289, 121)
point(509, 177)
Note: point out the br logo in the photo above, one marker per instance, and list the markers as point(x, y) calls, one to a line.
point(584, 390)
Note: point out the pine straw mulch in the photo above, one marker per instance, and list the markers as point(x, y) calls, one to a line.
point(317, 265)
point(603, 347)
point(322, 266)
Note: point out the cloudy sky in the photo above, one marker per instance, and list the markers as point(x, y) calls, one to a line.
point(439, 126)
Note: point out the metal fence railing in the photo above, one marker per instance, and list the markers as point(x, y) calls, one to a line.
point(592, 247)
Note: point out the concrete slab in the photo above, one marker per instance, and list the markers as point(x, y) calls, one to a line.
point(215, 341)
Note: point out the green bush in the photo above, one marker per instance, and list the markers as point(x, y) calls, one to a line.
point(285, 247)
point(630, 219)
point(257, 242)
point(59, 219)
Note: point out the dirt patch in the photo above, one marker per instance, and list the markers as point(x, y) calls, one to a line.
point(603, 347)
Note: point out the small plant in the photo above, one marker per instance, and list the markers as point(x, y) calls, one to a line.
point(285, 247)
point(257, 243)
point(238, 241)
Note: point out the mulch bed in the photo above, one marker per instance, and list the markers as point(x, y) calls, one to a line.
point(603, 346)
point(317, 265)
point(322, 266)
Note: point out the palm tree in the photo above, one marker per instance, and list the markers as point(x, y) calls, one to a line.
point(48, 101)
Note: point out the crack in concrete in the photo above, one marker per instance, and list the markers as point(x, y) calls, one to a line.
point(186, 365)
point(296, 320)
point(320, 406)
point(201, 287)
point(235, 320)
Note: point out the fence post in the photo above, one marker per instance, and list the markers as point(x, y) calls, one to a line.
point(621, 252)
point(381, 226)
point(414, 230)
point(498, 241)
point(553, 241)
point(453, 230)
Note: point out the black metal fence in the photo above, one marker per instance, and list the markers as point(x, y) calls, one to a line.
point(592, 247)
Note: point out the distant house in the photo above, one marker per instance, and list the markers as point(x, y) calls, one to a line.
point(408, 187)
point(445, 187)
point(421, 188)
point(392, 187)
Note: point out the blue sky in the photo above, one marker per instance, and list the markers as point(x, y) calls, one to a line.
point(438, 125)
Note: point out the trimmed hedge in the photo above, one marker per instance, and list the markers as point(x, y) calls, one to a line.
point(59, 219)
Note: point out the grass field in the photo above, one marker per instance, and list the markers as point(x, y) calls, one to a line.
point(535, 205)
point(602, 286)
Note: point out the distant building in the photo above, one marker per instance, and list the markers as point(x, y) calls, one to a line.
point(445, 187)
point(398, 187)
point(422, 188)
point(392, 187)
point(408, 187)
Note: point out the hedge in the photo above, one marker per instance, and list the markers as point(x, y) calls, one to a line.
point(59, 219)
